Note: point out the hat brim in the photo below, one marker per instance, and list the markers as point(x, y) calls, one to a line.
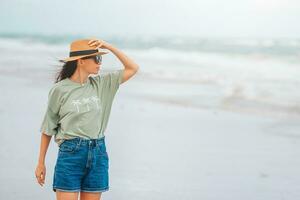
point(82, 56)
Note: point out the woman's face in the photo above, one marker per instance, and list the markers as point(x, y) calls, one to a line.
point(89, 65)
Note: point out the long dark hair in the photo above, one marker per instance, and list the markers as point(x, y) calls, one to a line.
point(68, 69)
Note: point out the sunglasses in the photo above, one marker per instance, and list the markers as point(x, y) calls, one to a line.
point(96, 58)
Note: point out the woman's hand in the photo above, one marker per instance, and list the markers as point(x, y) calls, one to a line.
point(40, 174)
point(97, 43)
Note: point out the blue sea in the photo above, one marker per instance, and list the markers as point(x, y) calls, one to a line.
point(257, 75)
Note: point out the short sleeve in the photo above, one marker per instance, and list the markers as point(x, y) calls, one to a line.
point(112, 80)
point(49, 124)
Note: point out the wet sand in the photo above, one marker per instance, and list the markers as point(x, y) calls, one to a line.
point(158, 149)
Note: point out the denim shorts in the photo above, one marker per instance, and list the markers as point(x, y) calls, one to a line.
point(82, 165)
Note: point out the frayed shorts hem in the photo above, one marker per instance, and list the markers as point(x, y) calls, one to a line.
point(65, 189)
point(98, 190)
point(79, 190)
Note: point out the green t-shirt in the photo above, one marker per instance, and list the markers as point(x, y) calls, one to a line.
point(76, 110)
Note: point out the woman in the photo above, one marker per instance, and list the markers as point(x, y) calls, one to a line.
point(77, 114)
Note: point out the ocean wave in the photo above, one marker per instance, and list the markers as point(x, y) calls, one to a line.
point(221, 77)
point(266, 46)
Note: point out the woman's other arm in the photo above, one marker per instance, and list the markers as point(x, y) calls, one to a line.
point(130, 66)
point(40, 172)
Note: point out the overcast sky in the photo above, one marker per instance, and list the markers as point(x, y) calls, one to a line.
point(216, 18)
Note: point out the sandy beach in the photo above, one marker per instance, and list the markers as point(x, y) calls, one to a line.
point(158, 149)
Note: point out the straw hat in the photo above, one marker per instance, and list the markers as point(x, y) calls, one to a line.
point(80, 49)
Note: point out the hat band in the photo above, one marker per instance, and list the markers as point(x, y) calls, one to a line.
point(83, 52)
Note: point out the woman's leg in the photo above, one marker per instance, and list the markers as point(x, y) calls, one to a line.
point(61, 195)
point(90, 195)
